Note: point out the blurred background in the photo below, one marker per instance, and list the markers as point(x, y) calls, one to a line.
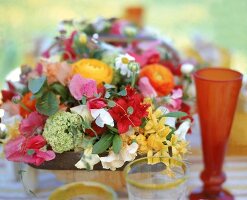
point(28, 24)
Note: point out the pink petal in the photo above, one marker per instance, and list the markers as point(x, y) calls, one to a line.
point(12, 149)
point(46, 155)
point(80, 86)
point(33, 123)
point(177, 94)
point(35, 142)
point(146, 88)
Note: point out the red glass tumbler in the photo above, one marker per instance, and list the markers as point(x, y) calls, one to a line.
point(217, 94)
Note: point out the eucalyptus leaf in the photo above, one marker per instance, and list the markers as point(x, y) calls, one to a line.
point(109, 86)
point(103, 144)
point(122, 93)
point(117, 144)
point(176, 114)
point(47, 104)
point(30, 152)
point(111, 103)
point(35, 85)
point(130, 110)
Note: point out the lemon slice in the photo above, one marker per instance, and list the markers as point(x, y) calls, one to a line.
point(83, 191)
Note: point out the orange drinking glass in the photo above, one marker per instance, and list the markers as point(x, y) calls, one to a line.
point(217, 93)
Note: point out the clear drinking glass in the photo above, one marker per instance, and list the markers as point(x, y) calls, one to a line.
point(165, 178)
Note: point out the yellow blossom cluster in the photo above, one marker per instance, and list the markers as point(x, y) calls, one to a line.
point(156, 138)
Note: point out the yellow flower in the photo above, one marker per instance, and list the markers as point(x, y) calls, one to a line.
point(155, 142)
point(83, 38)
point(93, 69)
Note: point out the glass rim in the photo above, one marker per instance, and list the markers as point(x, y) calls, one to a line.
point(160, 186)
point(197, 75)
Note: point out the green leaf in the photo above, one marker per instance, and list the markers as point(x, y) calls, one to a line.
point(122, 93)
point(35, 85)
point(84, 100)
point(103, 144)
point(117, 144)
point(112, 129)
point(109, 86)
point(30, 152)
point(59, 89)
point(47, 104)
point(176, 114)
point(111, 103)
point(130, 110)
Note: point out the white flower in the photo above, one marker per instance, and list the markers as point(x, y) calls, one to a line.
point(88, 160)
point(170, 121)
point(187, 68)
point(83, 111)
point(121, 62)
point(1, 113)
point(102, 117)
point(183, 129)
point(114, 161)
point(95, 38)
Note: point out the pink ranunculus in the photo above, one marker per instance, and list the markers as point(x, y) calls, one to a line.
point(146, 88)
point(34, 123)
point(17, 150)
point(80, 86)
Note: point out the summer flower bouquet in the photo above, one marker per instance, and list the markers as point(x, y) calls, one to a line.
point(92, 97)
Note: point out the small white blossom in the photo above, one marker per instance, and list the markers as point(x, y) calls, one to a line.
point(122, 61)
point(83, 111)
point(187, 68)
point(88, 160)
point(170, 121)
point(183, 129)
point(114, 161)
point(102, 117)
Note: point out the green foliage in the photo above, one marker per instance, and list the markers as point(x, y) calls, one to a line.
point(122, 92)
point(176, 114)
point(130, 110)
point(103, 144)
point(111, 103)
point(35, 85)
point(47, 104)
point(61, 90)
point(117, 144)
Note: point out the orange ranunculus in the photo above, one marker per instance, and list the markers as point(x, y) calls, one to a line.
point(27, 102)
point(160, 78)
point(93, 69)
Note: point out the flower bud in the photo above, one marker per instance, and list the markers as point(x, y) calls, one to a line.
point(83, 38)
point(133, 66)
point(187, 68)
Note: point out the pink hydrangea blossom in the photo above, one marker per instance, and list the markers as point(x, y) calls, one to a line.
point(34, 123)
point(80, 86)
point(146, 88)
point(28, 150)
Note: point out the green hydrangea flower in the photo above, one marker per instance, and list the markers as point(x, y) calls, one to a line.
point(61, 131)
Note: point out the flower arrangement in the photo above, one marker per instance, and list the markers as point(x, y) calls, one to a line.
point(92, 97)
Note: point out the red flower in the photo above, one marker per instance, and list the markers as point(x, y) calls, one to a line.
point(33, 124)
point(176, 70)
point(129, 110)
point(69, 52)
point(96, 128)
point(96, 103)
point(28, 150)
